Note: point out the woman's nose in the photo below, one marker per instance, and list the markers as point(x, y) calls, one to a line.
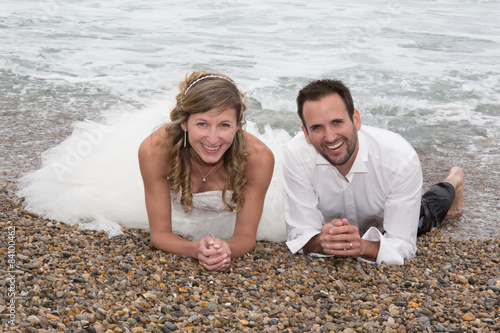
point(212, 136)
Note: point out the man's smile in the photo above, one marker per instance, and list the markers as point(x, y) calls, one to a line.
point(335, 145)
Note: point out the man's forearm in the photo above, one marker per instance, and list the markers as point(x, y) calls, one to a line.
point(313, 246)
point(369, 250)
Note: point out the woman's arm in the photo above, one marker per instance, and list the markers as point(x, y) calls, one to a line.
point(154, 165)
point(259, 173)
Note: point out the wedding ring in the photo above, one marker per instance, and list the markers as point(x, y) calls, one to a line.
point(350, 246)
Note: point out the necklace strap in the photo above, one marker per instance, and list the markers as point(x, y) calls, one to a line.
point(201, 173)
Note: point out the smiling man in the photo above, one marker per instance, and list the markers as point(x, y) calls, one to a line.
point(353, 190)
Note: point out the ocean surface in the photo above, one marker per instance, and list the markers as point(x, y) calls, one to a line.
point(429, 70)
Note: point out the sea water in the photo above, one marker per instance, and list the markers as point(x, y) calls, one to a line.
point(428, 70)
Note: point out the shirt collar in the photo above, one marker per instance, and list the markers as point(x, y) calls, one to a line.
point(359, 165)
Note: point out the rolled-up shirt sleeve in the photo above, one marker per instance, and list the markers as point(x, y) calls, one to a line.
point(401, 212)
point(387, 252)
point(303, 219)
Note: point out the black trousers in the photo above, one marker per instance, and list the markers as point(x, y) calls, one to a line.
point(434, 206)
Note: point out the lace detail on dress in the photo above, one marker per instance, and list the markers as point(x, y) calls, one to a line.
point(211, 201)
point(208, 201)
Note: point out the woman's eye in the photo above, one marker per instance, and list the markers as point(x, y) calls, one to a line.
point(202, 124)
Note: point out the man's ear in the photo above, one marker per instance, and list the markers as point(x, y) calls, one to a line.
point(356, 118)
point(304, 129)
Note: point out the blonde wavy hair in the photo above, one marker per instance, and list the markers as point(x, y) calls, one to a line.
point(210, 91)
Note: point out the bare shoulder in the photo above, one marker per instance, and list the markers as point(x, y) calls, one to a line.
point(155, 148)
point(259, 155)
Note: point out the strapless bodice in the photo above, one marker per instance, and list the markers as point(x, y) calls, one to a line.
point(208, 201)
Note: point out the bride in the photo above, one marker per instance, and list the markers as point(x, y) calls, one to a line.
point(205, 149)
point(207, 183)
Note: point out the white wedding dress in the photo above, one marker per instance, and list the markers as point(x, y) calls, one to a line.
point(93, 179)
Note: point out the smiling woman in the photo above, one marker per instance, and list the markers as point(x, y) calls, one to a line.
point(206, 178)
point(208, 114)
point(205, 150)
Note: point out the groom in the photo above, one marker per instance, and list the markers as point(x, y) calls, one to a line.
point(353, 190)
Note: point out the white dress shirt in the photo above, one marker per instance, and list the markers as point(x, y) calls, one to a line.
point(380, 195)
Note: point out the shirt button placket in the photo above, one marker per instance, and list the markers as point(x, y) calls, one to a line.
point(350, 204)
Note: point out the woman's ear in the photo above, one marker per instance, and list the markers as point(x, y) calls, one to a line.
point(183, 126)
point(243, 125)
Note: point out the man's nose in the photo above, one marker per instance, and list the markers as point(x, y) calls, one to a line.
point(330, 135)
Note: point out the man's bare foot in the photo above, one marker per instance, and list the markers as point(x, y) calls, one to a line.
point(456, 178)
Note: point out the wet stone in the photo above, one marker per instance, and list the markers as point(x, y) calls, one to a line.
point(439, 328)
point(171, 326)
point(211, 307)
point(494, 288)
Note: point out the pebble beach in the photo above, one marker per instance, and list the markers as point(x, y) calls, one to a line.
point(62, 278)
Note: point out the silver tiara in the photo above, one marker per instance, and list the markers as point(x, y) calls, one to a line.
point(210, 76)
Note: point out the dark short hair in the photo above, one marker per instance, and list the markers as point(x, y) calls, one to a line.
point(318, 89)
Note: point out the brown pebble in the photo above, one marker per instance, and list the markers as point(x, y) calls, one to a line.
point(468, 317)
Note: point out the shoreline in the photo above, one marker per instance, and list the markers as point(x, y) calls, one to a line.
point(74, 280)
